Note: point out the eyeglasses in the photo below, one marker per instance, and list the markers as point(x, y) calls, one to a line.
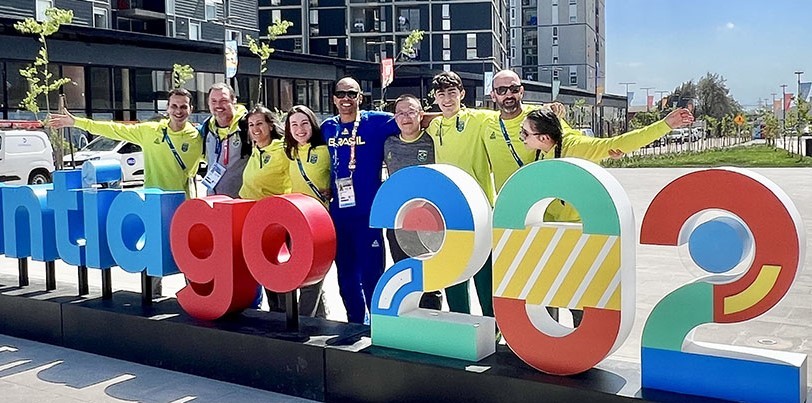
point(346, 94)
point(514, 89)
point(409, 114)
point(523, 134)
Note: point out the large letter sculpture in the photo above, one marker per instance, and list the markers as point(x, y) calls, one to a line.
point(730, 218)
point(28, 224)
point(206, 242)
point(225, 246)
point(288, 242)
point(397, 321)
point(539, 264)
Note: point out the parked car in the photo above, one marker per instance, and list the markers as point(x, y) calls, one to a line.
point(677, 136)
point(26, 157)
point(586, 131)
point(129, 155)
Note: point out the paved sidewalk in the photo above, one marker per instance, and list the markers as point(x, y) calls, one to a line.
point(36, 372)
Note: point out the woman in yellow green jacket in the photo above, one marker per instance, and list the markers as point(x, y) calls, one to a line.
point(266, 172)
point(541, 131)
point(308, 154)
point(309, 165)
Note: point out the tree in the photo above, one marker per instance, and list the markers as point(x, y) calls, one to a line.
point(181, 73)
point(263, 50)
point(643, 119)
point(798, 118)
point(407, 52)
point(41, 81)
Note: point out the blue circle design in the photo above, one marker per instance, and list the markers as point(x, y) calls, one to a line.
point(719, 244)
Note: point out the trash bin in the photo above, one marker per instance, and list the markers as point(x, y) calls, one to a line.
point(808, 147)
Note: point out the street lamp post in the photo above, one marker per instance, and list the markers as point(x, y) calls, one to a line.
point(626, 125)
point(382, 49)
point(784, 113)
point(798, 111)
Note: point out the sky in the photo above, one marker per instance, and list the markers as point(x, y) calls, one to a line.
point(755, 45)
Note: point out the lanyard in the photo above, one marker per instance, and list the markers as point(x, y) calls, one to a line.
point(313, 187)
point(261, 151)
point(174, 151)
point(219, 147)
point(351, 165)
point(442, 122)
point(510, 144)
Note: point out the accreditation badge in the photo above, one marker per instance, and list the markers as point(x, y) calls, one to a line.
point(346, 192)
point(214, 175)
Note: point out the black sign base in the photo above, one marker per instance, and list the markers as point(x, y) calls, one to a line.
point(252, 348)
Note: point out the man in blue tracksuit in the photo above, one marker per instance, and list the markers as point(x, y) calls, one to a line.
point(355, 140)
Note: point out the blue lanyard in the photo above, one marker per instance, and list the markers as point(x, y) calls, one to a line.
point(510, 144)
point(174, 151)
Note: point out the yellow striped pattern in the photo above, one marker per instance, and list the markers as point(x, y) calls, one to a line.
point(557, 266)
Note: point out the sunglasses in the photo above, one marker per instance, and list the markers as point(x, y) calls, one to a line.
point(514, 89)
point(346, 94)
point(523, 134)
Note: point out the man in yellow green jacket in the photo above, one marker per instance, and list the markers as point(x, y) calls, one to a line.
point(173, 148)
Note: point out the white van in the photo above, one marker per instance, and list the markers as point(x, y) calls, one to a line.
point(129, 155)
point(26, 157)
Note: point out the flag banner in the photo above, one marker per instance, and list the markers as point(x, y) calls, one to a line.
point(787, 100)
point(777, 108)
point(649, 101)
point(556, 88)
point(387, 71)
point(231, 58)
point(629, 97)
point(804, 93)
point(488, 84)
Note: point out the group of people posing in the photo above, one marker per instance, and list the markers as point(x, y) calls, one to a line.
point(251, 155)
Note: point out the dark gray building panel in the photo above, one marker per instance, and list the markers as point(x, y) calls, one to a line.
point(82, 11)
point(191, 8)
point(245, 14)
point(17, 8)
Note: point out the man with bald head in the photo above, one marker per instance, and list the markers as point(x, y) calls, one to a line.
point(505, 149)
point(355, 139)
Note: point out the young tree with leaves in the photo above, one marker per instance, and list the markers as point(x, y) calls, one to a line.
point(181, 73)
point(41, 81)
point(263, 49)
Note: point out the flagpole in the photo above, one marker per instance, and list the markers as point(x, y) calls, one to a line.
point(798, 111)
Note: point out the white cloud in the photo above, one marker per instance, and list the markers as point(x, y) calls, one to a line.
point(730, 25)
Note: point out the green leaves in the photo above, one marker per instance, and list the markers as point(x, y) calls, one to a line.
point(409, 49)
point(263, 50)
point(181, 73)
point(37, 75)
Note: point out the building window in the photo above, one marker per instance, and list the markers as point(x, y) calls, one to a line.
point(409, 19)
point(573, 12)
point(471, 53)
point(446, 41)
point(170, 7)
point(276, 15)
point(530, 16)
point(446, 67)
point(446, 25)
point(211, 10)
point(170, 28)
point(446, 11)
point(573, 77)
point(233, 35)
point(100, 19)
point(573, 2)
point(314, 17)
point(446, 54)
point(297, 45)
point(555, 74)
point(41, 6)
point(194, 31)
point(470, 40)
point(333, 44)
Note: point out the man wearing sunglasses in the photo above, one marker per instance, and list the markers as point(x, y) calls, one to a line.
point(355, 139)
point(505, 150)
